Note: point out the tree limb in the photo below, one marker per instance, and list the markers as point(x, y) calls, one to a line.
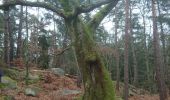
point(98, 17)
point(62, 51)
point(88, 8)
point(33, 4)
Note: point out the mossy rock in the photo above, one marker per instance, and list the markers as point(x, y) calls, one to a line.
point(2, 85)
point(7, 82)
point(33, 77)
point(12, 73)
point(58, 71)
point(8, 97)
point(32, 91)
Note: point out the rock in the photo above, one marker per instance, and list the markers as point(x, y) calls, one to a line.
point(12, 73)
point(68, 92)
point(9, 97)
point(58, 71)
point(30, 92)
point(8, 82)
point(33, 77)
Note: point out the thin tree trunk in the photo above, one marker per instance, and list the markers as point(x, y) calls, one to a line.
point(135, 81)
point(79, 76)
point(27, 52)
point(6, 36)
point(19, 41)
point(163, 43)
point(157, 53)
point(117, 53)
point(126, 51)
point(146, 49)
point(11, 41)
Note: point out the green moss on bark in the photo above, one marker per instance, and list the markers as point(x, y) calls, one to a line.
point(97, 82)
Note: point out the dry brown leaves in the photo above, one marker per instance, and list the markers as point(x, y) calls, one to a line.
point(52, 86)
point(145, 97)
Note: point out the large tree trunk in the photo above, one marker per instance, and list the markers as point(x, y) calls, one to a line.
point(97, 82)
point(158, 58)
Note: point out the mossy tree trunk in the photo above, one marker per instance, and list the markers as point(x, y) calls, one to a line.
point(97, 83)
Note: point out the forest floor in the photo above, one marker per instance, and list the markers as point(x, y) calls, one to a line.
point(50, 86)
point(54, 87)
point(145, 97)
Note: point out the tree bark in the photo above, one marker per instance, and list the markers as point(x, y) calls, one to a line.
point(126, 51)
point(6, 36)
point(163, 43)
point(135, 81)
point(19, 41)
point(158, 59)
point(27, 52)
point(11, 40)
point(146, 48)
point(117, 53)
point(97, 82)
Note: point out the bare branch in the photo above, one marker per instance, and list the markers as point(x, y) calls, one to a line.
point(62, 51)
point(33, 4)
point(98, 17)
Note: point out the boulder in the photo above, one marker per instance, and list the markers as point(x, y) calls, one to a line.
point(30, 92)
point(12, 73)
point(8, 82)
point(58, 71)
point(68, 92)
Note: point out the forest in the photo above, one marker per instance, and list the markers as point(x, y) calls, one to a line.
point(84, 50)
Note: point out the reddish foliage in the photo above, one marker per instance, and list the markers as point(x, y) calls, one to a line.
point(18, 62)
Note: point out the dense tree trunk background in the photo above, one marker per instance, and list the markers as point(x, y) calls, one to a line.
point(158, 58)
